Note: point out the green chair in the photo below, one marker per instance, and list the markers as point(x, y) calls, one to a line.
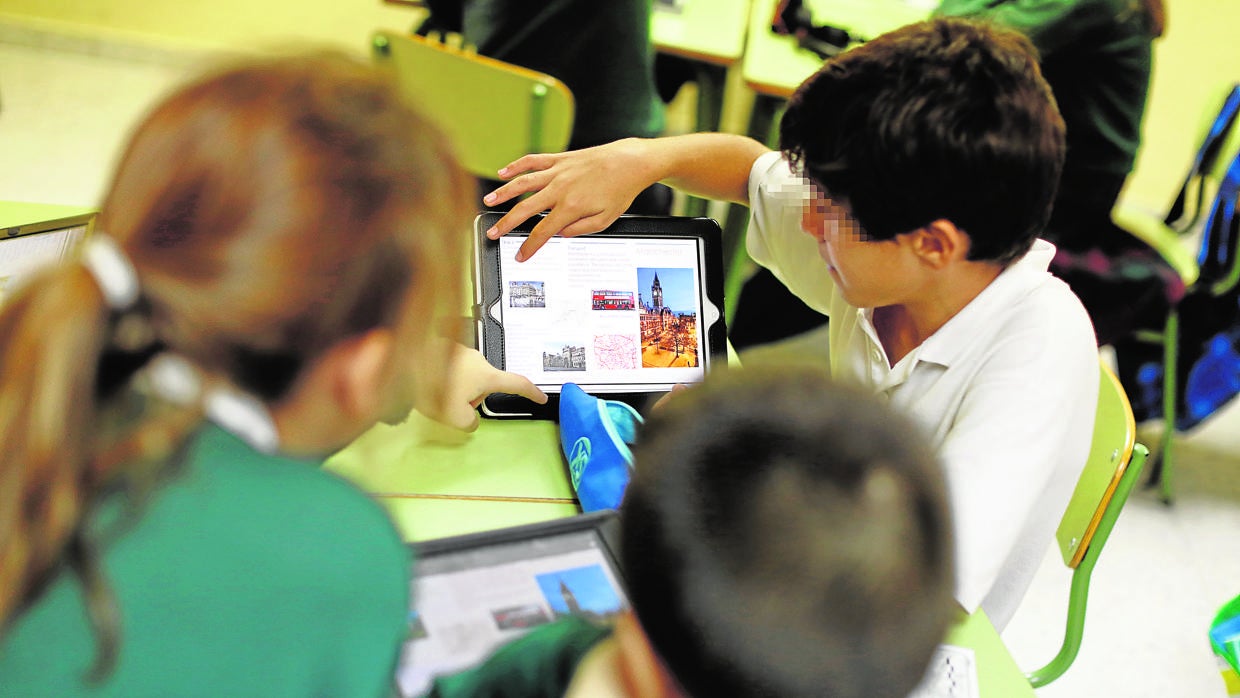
point(1113, 467)
point(1215, 156)
point(494, 112)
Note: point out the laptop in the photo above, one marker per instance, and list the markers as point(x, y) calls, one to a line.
point(476, 592)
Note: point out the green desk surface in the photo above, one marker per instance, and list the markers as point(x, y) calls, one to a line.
point(437, 482)
point(706, 30)
point(16, 214)
point(425, 518)
point(997, 673)
point(775, 65)
point(517, 459)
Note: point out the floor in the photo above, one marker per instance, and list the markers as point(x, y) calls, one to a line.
point(1167, 569)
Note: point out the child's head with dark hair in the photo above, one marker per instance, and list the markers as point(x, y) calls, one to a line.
point(787, 536)
point(944, 119)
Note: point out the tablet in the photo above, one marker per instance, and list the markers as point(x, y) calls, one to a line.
point(474, 593)
point(624, 313)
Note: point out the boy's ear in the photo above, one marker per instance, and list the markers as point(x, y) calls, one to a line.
point(359, 372)
point(940, 243)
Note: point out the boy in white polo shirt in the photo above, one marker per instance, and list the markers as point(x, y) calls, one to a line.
point(922, 164)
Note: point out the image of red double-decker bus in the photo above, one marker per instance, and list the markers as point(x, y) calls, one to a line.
point(613, 300)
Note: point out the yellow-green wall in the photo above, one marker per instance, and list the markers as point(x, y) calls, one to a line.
point(227, 24)
point(1194, 62)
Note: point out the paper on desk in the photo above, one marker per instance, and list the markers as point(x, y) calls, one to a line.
point(20, 257)
point(952, 674)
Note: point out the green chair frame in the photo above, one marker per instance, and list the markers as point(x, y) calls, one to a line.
point(1111, 470)
point(493, 111)
point(1219, 147)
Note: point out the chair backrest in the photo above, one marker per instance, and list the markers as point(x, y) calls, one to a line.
point(1110, 455)
point(493, 111)
point(1110, 473)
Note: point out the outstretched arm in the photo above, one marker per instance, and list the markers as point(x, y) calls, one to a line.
point(586, 190)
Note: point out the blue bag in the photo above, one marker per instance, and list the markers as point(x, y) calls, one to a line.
point(1207, 366)
point(595, 435)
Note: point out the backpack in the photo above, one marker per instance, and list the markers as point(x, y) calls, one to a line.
point(1208, 351)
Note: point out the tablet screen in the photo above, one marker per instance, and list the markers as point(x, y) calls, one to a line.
point(469, 602)
point(611, 314)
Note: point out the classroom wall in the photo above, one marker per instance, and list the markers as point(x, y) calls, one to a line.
point(245, 25)
point(1194, 62)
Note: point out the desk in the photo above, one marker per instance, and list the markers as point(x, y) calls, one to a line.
point(711, 35)
point(774, 65)
point(710, 31)
point(510, 473)
point(436, 482)
point(998, 676)
point(19, 214)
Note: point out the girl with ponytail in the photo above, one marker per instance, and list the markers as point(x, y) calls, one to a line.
point(278, 241)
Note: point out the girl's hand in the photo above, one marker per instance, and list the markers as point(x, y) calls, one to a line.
point(472, 378)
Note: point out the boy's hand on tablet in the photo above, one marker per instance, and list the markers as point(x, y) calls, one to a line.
point(584, 191)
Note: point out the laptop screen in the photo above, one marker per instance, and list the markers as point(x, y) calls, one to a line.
point(475, 593)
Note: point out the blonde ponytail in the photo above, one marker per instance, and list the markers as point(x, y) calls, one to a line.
point(65, 441)
point(52, 334)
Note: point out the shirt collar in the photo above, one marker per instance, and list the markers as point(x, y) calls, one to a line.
point(961, 331)
point(244, 416)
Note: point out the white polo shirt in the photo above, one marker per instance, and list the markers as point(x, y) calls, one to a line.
point(1007, 389)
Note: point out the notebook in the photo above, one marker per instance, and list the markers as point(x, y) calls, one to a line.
point(476, 592)
point(623, 313)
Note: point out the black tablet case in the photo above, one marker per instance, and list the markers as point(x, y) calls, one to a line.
point(488, 290)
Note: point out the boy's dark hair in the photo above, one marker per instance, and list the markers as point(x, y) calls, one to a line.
point(786, 536)
point(943, 119)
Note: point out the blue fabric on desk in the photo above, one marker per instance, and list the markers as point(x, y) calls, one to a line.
point(595, 435)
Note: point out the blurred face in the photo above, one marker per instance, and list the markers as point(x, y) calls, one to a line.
point(869, 273)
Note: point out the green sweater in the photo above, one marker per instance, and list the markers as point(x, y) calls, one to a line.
point(1096, 55)
point(540, 664)
point(600, 50)
point(243, 575)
